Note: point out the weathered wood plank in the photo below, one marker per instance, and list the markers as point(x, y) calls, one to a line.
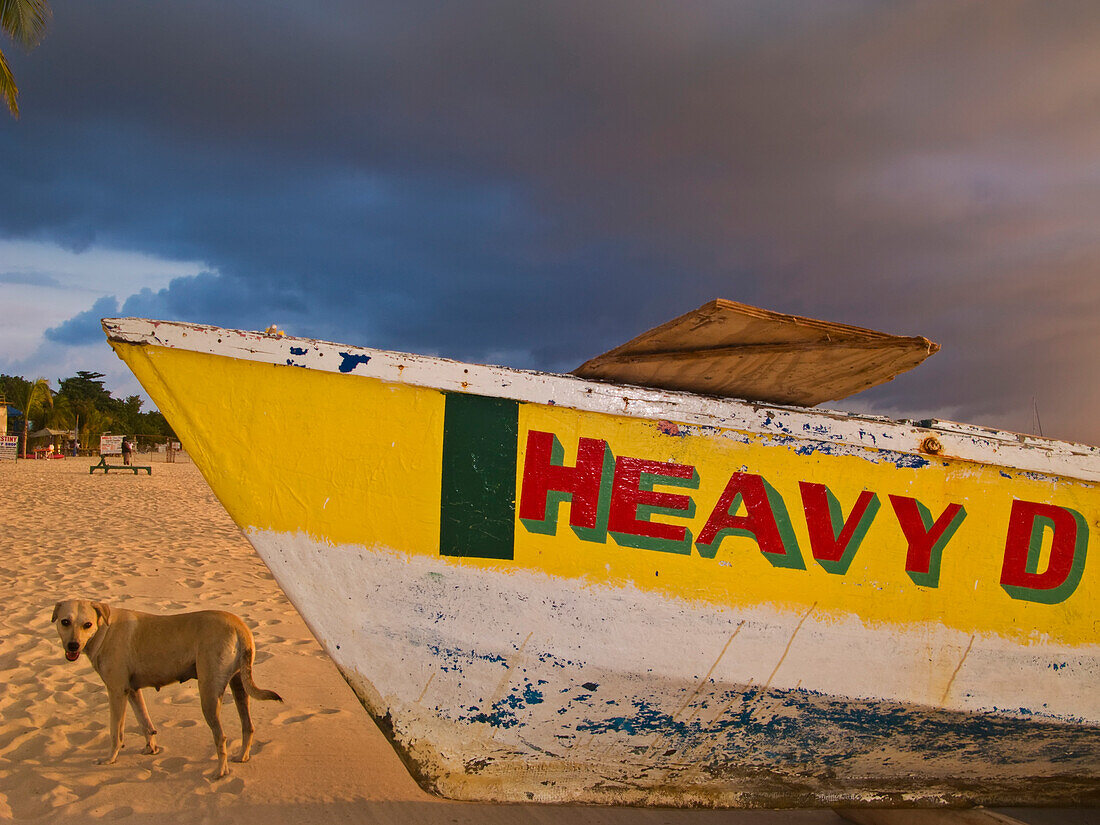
point(739, 351)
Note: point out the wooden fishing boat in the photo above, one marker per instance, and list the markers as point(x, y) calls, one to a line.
point(553, 588)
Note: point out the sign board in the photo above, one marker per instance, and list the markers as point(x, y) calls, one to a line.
point(110, 445)
point(8, 445)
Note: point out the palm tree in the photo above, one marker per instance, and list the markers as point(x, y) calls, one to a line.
point(60, 416)
point(93, 424)
point(31, 396)
point(24, 21)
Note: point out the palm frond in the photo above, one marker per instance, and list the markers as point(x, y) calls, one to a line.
point(25, 20)
point(8, 89)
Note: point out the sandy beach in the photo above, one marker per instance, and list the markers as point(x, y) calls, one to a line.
point(163, 543)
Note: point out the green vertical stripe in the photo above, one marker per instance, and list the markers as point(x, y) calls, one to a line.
point(478, 510)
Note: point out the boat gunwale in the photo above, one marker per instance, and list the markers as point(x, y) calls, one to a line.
point(957, 441)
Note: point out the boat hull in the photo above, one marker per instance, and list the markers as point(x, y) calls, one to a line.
point(548, 590)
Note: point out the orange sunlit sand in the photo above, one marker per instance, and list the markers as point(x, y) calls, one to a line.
point(160, 543)
point(163, 543)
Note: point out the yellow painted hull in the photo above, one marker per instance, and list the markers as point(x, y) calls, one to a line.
point(548, 589)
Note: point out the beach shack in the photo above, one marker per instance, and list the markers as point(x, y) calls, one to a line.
point(48, 442)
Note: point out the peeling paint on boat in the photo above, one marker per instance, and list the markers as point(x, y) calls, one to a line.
point(551, 589)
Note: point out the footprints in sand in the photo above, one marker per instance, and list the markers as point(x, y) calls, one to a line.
point(171, 764)
point(61, 787)
point(288, 717)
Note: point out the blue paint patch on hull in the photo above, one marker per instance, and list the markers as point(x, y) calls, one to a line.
point(739, 728)
point(349, 362)
point(797, 729)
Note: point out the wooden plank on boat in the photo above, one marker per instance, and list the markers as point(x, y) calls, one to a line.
point(731, 349)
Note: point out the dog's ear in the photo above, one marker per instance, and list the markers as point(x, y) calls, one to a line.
point(56, 607)
point(103, 610)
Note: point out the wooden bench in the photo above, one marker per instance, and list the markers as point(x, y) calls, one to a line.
point(105, 467)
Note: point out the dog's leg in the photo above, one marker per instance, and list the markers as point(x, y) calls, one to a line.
point(117, 701)
point(137, 702)
point(247, 729)
point(211, 703)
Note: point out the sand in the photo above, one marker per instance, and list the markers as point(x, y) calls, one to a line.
point(163, 543)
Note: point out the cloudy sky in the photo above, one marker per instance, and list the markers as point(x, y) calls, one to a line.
point(531, 183)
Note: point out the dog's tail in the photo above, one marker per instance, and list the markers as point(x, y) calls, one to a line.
point(249, 683)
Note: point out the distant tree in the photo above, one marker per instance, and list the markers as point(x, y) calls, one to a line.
point(24, 21)
point(83, 410)
point(30, 397)
point(127, 414)
point(60, 416)
point(85, 386)
point(93, 425)
point(154, 423)
point(9, 384)
point(83, 403)
point(88, 401)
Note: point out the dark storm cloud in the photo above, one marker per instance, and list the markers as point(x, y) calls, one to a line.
point(547, 180)
point(84, 327)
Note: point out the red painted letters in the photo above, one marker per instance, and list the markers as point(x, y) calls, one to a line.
point(616, 497)
point(1020, 575)
point(541, 476)
point(628, 492)
point(761, 521)
point(926, 539)
point(834, 539)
